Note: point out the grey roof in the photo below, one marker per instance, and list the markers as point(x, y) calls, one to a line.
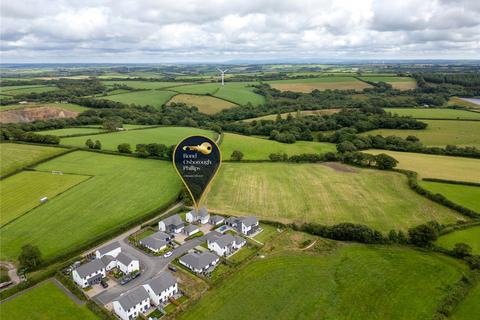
point(239, 239)
point(106, 259)
point(174, 220)
point(133, 298)
point(249, 221)
point(161, 235)
point(109, 247)
point(90, 267)
point(213, 234)
point(224, 240)
point(190, 228)
point(125, 258)
point(164, 281)
point(232, 220)
point(200, 213)
point(216, 218)
point(199, 261)
point(153, 243)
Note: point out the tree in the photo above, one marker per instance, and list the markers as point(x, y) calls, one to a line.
point(393, 236)
point(124, 148)
point(236, 155)
point(97, 145)
point(112, 123)
point(345, 146)
point(30, 256)
point(422, 235)
point(142, 150)
point(385, 162)
point(462, 250)
point(89, 143)
point(473, 261)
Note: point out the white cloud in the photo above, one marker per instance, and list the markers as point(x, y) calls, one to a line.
point(160, 30)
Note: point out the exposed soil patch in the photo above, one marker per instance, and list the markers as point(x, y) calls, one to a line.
point(339, 167)
point(33, 114)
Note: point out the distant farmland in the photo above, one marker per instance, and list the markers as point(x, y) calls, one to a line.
point(464, 195)
point(143, 84)
point(401, 83)
point(318, 193)
point(154, 98)
point(321, 83)
point(440, 113)
point(294, 113)
point(205, 104)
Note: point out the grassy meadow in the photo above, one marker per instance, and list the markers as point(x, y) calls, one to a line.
point(439, 133)
point(16, 90)
point(442, 113)
point(166, 135)
point(22, 192)
point(205, 104)
point(469, 308)
point(400, 83)
point(71, 131)
point(320, 83)
point(143, 84)
point(470, 236)
point(331, 281)
point(294, 114)
point(434, 166)
point(319, 193)
point(464, 195)
point(44, 302)
point(259, 149)
point(16, 156)
point(154, 98)
point(121, 189)
point(66, 106)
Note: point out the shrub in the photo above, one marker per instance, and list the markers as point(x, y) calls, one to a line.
point(345, 232)
point(422, 235)
point(124, 148)
point(236, 155)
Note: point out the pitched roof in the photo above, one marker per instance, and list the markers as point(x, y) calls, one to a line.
point(173, 220)
point(200, 213)
point(160, 235)
point(153, 243)
point(106, 259)
point(90, 267)
point(249, 221)
point(190, 228)
point(125, 258)
point(216, 218)
point(224, 240)
point(239, 240)
point(109, 247)
point(199, 261)
point(132, 298)
point(164, 281)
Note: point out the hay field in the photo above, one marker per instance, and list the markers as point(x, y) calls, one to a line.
point(205, 104)
point(321, 83)
point(154, 98)
point(400, 83)
point(441, 113)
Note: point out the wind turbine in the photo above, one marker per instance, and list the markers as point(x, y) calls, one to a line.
point(223, 75)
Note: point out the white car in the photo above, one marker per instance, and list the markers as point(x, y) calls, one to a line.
point(168, 254)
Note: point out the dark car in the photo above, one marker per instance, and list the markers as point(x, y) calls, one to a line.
point(172, 268)
point(135, 275)
point(104, 284)
point(125, 280)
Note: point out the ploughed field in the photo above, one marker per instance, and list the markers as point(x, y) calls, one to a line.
point(470, 236)
point(120, 190)
point(259, 148)
point(435, 166)
point(331, 281)
point(435, 113)
point(320, 83)
point(327, 194)
point(464, 195)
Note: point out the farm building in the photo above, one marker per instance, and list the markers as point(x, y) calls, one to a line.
point(172, 224)
point(200, 262)
point(131, 304)
point(225, 245)
point(201, 216)
point(161, 288)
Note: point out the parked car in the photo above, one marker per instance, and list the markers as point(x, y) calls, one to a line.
point(125, 280)
point(135, 275)
point(172, 268)
point(104, 284)
point(168, 254)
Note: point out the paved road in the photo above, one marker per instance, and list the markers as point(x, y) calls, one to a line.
point(151, 267)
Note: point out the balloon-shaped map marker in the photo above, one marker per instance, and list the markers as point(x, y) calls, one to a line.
point(197, 159)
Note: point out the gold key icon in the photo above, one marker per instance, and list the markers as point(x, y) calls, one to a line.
point(204, 148)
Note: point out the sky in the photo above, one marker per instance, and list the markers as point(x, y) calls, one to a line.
point(158, 31)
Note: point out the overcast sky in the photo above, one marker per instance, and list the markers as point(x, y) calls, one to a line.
point(202, 30)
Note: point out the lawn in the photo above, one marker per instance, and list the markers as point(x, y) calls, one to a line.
point(350, 282)
point(122, 189)
point(464, 195)
point(434, 166)
point(44, 302)
point(441, 113)
point(16, 156)
point(319, 193)
point(143, 84)
point(259, 149)
point(321, 83)
point(469, 308)
point(294, 114)
point(205, 104)
point(401, 83)
point(470, 236)
point(71, 131)
point(154, 98)
point(440, 133)
point(22, 192)
point(267, 233)
point(166, 135)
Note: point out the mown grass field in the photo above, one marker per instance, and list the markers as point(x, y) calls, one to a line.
point(205, 104)
point(401, 83)
point(22, 192)
point(143, 84)
point(321, 83)
point(433, 166)
point(470, 236)
point(71, 131)
point(46, 301)
point(441, 113)
point(121, 189)
point(16, 90)
point(469, 308)
point(166, 135)
point(66, 106)
point(440, 133)
point(332, 281)
point(15, 156)
point(154, 98)
point(259, 149)
point(318, 193)
point(467, 196)
point(294, 114)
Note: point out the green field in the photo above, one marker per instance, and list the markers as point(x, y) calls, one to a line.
point(441, 113)
point(439, 133)
point(154, 98)
point(166, 135)
point(121, 189)
point(320, 83)
point(318, 193)
point(401, 83)
point(22, 192)
point(294, 114)
point(464, 195)
point(260, 149)
point(70, 131)
point(205, 104)
point(348, 282)
point(202, 88)
point(469, 308)
point(44, 302)
point(13, 88)
point(26, 90)
point(66, 106)
point(143, 84)
point(433, 166)
point(16, 156)
point(470, 236)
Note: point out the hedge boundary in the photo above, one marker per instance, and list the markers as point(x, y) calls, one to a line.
point(466, 183)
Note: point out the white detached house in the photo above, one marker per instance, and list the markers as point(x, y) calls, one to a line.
point(161, 288)
point(199, 262)
point(89, 273)
point(226, 244)
point(131, 304)
point(201, 216)
point(127, 264)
